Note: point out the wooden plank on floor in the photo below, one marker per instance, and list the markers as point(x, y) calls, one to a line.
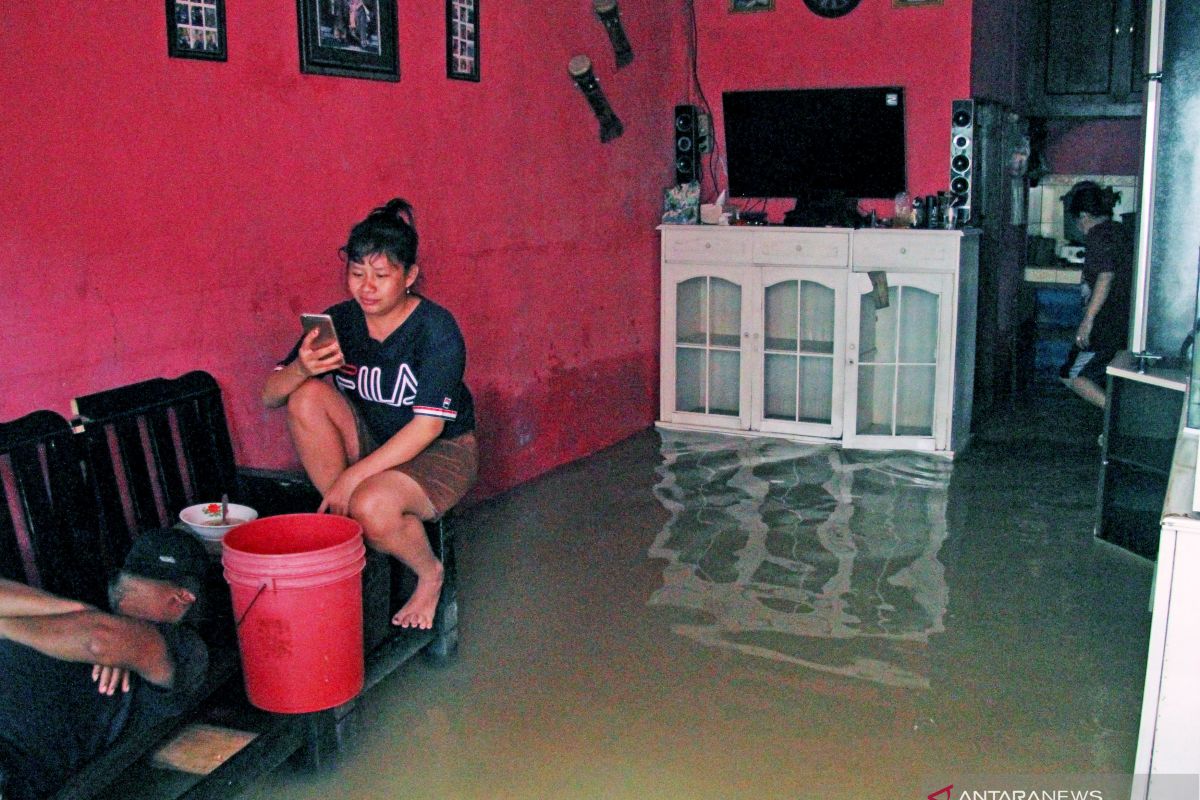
point(199, 748)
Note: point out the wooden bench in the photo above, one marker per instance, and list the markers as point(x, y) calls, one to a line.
point(75, 495)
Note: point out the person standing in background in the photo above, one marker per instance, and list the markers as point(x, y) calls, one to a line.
point(1108, 273)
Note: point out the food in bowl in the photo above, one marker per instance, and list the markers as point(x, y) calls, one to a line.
point(230, 520)
point(204, 519)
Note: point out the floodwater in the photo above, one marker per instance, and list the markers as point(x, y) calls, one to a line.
point(699, 616)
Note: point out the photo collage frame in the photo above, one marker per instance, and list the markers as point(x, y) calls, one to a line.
point(196, 29)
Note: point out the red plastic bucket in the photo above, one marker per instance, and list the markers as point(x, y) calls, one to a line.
point(297, 597)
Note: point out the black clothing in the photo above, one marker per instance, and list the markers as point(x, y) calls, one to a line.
point(417, 370)
point(53, 720)
point(1109, 247)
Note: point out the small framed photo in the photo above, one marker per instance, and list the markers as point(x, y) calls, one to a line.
point(349, 38)
point(751, 5)
point(462, 40)
point(196, 29)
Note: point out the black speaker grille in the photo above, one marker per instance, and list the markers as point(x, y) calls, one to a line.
point(687, 159)
point(962, 154)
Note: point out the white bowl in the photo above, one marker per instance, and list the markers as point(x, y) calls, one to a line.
point(205, 519)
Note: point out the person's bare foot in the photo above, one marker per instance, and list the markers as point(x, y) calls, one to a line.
point(418, 612)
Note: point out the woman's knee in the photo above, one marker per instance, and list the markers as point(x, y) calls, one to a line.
point(311, 400)
point(382, 501)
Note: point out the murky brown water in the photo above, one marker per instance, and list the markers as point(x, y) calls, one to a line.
point(708, 617)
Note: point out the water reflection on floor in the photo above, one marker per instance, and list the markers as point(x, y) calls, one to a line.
point(715, 617)
point(807, 554)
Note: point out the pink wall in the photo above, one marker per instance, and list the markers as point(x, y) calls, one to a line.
point(162, 215)
point(927, 50)
point(1095, 146)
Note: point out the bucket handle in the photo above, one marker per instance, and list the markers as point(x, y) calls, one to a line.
point(246, 613)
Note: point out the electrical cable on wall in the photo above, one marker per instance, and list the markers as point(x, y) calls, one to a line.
point(693, 59)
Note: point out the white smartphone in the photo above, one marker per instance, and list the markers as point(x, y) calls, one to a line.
point(323, 323)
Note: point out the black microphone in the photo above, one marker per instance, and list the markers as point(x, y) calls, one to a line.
point(581, 72)
point(610, 15)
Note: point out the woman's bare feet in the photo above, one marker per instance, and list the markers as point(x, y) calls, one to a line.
point(419, 611)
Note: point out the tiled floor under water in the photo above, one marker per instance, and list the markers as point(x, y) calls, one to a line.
point(694, 616)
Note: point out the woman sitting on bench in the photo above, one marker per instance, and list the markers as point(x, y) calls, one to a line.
point(391, 442)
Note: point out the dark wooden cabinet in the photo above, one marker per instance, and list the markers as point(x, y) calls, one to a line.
point(1140, 425)
point(1088, 58)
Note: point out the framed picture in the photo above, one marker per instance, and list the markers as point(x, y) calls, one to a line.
point(462, 39)
point(751, 5)
point(349, 38)
point(196, 29)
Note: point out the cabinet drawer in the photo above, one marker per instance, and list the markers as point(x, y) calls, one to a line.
point(802, 249)
point(911, 252)
point(706, 247)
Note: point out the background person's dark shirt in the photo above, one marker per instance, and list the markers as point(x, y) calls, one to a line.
point(1110, 248)
point(53, 720)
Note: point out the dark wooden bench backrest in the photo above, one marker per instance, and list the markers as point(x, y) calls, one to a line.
point(46, 537)
point(153, 448)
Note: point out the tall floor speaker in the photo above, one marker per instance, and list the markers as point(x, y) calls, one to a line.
point(688, 143)
point(963, 157)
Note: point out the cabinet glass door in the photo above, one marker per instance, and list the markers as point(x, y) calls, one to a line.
point(707, 346)
point(802, 324)
point(902, 343)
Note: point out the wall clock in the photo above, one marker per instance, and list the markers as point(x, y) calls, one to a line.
point(831, 8)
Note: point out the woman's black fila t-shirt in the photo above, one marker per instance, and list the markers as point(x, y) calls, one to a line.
point(417, 370)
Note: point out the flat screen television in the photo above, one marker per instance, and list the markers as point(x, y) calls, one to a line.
point(812, 143)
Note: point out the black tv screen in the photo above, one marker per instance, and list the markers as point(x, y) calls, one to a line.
point(812, 142)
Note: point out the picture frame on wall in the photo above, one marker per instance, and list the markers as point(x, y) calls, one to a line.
point(462, 40)
point(349, 38)
point(196, 29)
point(751, 5)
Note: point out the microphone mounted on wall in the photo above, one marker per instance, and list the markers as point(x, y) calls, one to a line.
point(610, 15)
point(581, 72)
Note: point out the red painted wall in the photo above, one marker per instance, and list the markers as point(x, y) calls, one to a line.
point(1095, 146)
point(161, 215)
point(926, 49)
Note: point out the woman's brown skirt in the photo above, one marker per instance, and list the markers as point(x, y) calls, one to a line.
point(445, 470)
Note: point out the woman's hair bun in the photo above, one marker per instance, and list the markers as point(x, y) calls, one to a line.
point(389, 230)
point(397, 208)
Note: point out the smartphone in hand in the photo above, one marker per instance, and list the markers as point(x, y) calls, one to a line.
point(323, 323)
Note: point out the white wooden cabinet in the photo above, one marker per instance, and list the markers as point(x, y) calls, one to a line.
point(1167, 761)
point(780, 331)
point(709, 307)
